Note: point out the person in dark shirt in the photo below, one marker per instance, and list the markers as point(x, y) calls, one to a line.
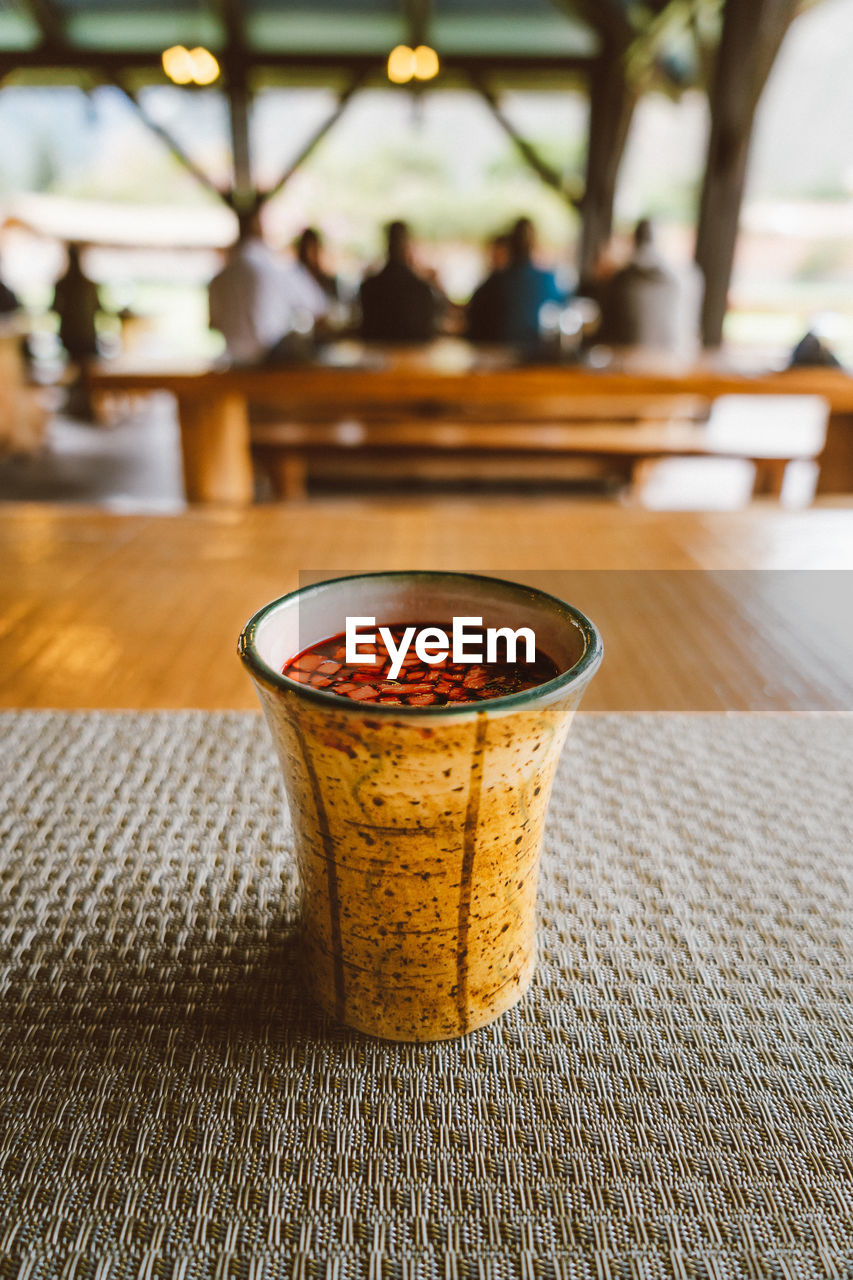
point(484, 307)
point(812, 352)
point(506, 306)
point(76, 302)
point(397, 305)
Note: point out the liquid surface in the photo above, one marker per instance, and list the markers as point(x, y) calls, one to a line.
point(323, 666)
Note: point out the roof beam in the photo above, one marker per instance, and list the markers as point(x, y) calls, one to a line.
point(528, 152)
point(315, 139)
point(239, 111)
point(236, 61)
point(57, 49)
point(173, 145)
point(417, 19)
point(67, 57)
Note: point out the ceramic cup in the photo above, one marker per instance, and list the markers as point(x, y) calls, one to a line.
point(418, 829)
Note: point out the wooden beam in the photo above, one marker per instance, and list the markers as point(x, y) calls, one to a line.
point(753, 31)
point(315, 139)
point(611, 108)
point(528, 152)
point(236, 63)
point(173, 145)
point(55, 44)
point(320, 60)
point(244, 194)
point(418, 13)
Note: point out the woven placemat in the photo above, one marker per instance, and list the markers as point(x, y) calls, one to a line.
point(674, 1096)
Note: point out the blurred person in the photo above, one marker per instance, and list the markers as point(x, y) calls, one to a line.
point(10, 304)
point(813, 352)
point(506, 306)
point(484, 306)
point(500, 251)
point(651, 304)
point(309, 252)
point(594, 285)
point(398, 305)
point(257, 301)
point(76, 301)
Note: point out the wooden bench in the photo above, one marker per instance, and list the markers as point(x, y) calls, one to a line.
point(305, 412)
point(290, 450)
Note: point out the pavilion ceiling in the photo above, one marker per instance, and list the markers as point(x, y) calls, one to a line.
point(281, 40)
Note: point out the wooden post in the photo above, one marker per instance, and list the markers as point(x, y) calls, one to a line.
point(237, 64)
point(753, 30)
point(611, 102)
point(239, 107)
point(215, 448)
point(289, 476)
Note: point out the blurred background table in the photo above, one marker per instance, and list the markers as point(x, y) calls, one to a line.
point(107, 611)
point(450, 401)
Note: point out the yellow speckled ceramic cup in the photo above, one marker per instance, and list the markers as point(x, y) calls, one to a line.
point(418, 829)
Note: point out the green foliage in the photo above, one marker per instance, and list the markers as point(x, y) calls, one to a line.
point(413, 180)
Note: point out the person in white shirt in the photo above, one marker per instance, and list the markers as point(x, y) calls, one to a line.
point(651, 304)
point(257, 299)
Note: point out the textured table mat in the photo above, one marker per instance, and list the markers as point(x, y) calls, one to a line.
point(674, 1097)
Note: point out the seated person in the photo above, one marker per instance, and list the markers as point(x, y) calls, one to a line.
point(813, 352)
point(397, 305)
point(76, 302)
point(506, 306)
point(257, 299)
point(483, 307)
point(308, 252)
point(649, 303)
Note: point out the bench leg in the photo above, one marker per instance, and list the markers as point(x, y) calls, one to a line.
point(836, 461)
point(289, 474)
point(769, 477)
point(215, 449)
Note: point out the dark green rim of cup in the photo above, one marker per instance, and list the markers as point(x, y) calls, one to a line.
point(578, 673)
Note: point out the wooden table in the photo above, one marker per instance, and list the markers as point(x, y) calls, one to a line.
point(100, 610)
point(213, 408)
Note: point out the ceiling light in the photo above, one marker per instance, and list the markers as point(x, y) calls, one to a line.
point(190, 66)
point(178, 64)
point(401, 64)
point(205, 66)
point(425, 62)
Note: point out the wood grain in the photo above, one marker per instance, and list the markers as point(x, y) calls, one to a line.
point(100, 610)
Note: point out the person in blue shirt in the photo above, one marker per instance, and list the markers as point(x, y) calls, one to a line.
point(505, 308)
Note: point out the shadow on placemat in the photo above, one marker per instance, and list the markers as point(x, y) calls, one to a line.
point(208, 987)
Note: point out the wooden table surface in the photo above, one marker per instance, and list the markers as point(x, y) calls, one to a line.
point(103, 610)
